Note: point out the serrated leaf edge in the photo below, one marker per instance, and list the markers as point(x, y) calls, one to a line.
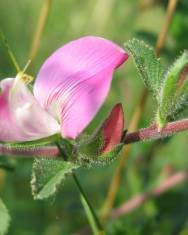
point(37, 196)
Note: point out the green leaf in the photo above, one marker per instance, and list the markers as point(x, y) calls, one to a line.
point(148, 64)
point(173, 96)
point(48, 175)
point(4, 218)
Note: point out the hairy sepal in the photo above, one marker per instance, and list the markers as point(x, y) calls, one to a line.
point(105, 144)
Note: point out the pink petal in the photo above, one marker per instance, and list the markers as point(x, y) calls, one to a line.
point(21, 117)
point(75, 80)
point(113, 128)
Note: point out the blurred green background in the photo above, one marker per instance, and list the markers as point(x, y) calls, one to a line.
point(118, 20)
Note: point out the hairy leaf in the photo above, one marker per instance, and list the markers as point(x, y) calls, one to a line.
point(174, 91)
point(48, 175)
point(4, 218)
point(147, 63)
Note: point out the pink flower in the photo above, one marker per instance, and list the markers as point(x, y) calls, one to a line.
point(70, 88)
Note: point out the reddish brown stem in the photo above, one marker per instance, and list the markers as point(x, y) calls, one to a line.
point(24, 151)
point(145, 134)
point(153, 133)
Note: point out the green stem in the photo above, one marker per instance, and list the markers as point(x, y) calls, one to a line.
point(10, 52)
point(90, 213)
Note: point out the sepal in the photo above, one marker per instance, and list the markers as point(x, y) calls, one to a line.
point(105, 144)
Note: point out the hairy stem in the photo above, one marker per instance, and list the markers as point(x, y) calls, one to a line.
point(116, 180)
point(26, 151)
point(154, 133)
point(144, 134)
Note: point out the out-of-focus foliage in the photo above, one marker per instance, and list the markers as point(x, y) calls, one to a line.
point(179, 26)
point(118, 20)
point(4, 218)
